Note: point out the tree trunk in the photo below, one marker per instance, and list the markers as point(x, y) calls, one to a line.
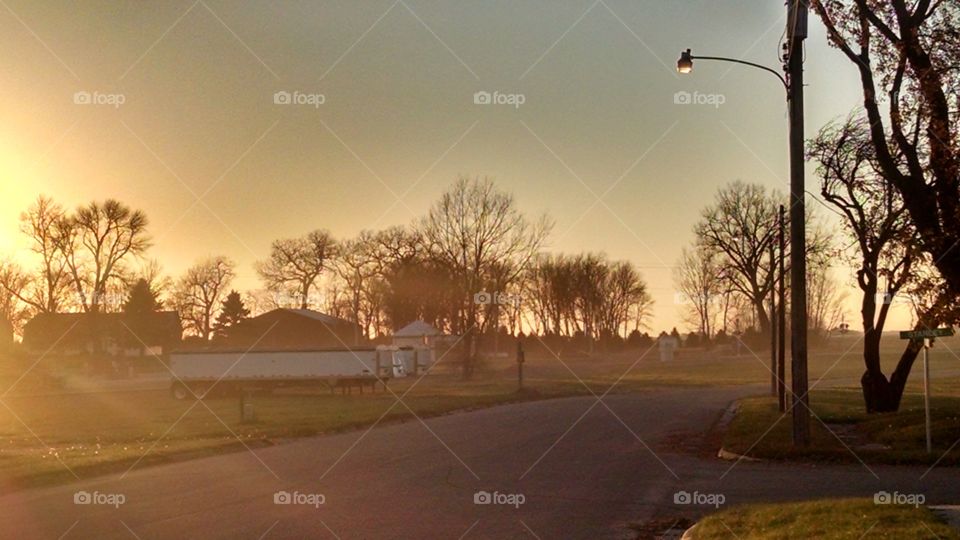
point(883, 395)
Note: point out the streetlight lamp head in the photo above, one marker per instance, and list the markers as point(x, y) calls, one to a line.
point(685, 64)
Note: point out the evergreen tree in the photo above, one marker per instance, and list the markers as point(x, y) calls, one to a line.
point(232, 311)
point(142, 302)
point(141, 298)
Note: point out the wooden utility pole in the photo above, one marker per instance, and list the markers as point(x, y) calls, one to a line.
point(796, 34)
point(782, 318)
point(774, 323)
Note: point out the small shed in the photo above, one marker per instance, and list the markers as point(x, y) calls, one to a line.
point(417, 334)
point(423, 338)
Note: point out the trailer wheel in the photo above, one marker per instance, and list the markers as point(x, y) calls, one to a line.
point(180, 392)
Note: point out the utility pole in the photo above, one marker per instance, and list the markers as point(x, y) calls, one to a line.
point(796, 34)
point(774, 323)
point(782, 318)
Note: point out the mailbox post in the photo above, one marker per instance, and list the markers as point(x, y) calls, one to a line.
point(927, 335)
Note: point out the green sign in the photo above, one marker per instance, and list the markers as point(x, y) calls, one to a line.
point(927, 333)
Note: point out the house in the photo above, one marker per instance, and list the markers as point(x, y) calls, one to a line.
point(293, 329)
point(111, 333)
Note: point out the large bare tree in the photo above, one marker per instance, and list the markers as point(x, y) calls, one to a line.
point(877, 223)
point(295, 264)
point(96, 242)
point(199, 292)
point(906, 55)
point(740, 227)
point(472, 230)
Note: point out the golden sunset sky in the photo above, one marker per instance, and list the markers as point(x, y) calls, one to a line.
point(199, 144)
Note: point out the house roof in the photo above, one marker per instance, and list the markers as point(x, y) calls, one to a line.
point(417, 328)
point(72, 328)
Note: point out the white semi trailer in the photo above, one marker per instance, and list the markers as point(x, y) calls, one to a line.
point(197, 373)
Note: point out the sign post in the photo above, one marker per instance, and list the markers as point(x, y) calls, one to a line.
point(927, 336)
point(926, 391)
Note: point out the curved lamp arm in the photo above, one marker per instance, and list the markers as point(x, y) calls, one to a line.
point(688, 58)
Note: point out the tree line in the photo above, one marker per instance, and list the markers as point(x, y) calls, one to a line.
point(474, 265)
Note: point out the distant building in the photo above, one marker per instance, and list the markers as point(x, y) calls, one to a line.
point(417, 333)
point(421, 336)
point(111, 333)
point(294, 329)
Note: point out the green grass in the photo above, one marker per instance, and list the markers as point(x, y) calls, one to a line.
point(826, 519)
point(43, 433)
point(841, 430)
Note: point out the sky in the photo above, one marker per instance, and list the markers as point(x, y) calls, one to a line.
point(178, 114)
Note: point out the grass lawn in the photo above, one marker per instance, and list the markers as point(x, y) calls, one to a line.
point(885, 438)
point(824, 519)
point(45, 433)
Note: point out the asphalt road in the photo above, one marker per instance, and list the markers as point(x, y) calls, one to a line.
point(579, 469)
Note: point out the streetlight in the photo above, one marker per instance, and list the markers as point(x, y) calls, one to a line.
point(685, 65)
point(793, 84)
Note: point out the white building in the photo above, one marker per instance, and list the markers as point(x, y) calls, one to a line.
point(421, 336)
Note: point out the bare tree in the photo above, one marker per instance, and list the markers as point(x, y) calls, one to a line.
point(200, 291)
point(296, 264)
point(472, 229)
point(906, 54)
point(740, 227)
point(96, 241)
point(700, 288)
point(824, 300)
point(39, 223)
point(14, 283)
point(876, 220)
point(358, 266)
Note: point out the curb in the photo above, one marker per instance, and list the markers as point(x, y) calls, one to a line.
point(727, 455)
point(689, 534)
point(725, 420)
